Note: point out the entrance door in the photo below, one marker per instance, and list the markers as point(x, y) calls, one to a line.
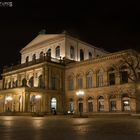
point(112, 105)
point(80, 107)
point(53, 104)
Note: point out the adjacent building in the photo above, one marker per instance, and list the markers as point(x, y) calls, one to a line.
point(61, 73)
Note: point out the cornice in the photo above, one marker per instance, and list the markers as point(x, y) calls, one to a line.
point(100, 59)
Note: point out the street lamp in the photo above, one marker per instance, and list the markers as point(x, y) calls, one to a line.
point(8, 99)
point(38, 97)
point(80, 94)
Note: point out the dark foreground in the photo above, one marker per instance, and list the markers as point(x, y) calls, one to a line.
point(67, 128)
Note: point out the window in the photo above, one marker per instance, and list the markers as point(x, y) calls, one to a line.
point(55, 82)
point(124, 75)
point(90, 55)
point(48, 53)
point(89, 80)
point(34, 57)
point(71, 84)
point(100, 79)
point(72, 53)
point(90, 104)
point(31, 81)
point(57, 51)
point(24, 82)
point(81, 55)
point(80, 83)
point(27, 59)
point(111, 76)
point(41, 55)
point(40, 82)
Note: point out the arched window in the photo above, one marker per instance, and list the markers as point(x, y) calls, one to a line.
point(89, 79)
point(24, 82)
point(101, 103)
point(123, 75)
point(41, 55)
point(90, 104)
point(48, 53)
point(40, 82)
point(72, 52)
point(55, 82)
point(9, 84)
point(31, 81)
point(34, 57)
point(71, 84)
point(57, 51)
point(81, 55)
point(27, 59)
point(111, 76)
point(99, 78)
point(90, 55)
point(80, 82)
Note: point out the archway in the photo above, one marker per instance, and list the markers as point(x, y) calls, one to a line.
point(53, 104)
point(126, 102)
point(101, 103)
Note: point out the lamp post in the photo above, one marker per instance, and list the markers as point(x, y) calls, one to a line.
point(80, 94)
point(8, 99)
point(38, 97)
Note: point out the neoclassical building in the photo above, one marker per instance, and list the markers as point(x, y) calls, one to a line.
point(62, 73)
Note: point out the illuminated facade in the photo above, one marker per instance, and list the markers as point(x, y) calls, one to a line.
point(62, 73)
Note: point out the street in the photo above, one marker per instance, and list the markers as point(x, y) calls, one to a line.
point(68, 128)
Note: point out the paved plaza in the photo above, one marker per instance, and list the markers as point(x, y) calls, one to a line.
point(68, 128)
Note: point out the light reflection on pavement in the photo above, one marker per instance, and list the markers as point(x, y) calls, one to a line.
point(67, 128)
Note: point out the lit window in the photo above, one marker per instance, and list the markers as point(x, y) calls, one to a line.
point(57, 51)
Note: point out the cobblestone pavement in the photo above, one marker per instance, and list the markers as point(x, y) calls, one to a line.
point(68, 128)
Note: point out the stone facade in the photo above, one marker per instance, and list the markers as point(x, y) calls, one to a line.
point(59, 72)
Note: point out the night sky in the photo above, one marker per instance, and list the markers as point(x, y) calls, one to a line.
point(111, 25)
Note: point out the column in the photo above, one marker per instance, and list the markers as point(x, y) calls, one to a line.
point(46, 77)
point(105, 78)
point(117, 78)
point(95, 105)
point(119, 103)
point(50, 75)
point(106, 104)
point(27, 99)
point(94, 80)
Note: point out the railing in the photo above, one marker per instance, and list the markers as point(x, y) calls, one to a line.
point(33, 62)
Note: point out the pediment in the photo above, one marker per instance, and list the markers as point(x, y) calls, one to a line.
point(41, 38)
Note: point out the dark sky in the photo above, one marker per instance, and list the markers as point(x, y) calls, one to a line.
point(111, 25)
